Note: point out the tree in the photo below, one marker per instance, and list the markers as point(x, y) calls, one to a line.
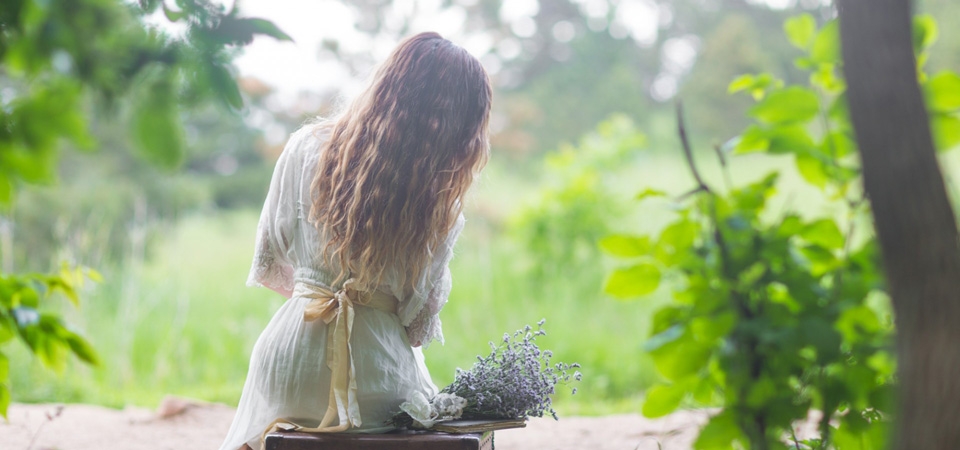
point(915, 223)
point(62, 59)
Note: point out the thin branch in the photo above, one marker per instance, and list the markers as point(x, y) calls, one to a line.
point(793, 434)
point(723, 165)
point(682, 130)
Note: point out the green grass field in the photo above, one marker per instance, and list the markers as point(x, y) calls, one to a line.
point(183, 322)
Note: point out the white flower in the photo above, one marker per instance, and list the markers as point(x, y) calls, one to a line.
point(420, 409)
point(449, 406)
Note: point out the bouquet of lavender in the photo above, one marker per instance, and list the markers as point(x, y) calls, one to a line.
point(514, 381)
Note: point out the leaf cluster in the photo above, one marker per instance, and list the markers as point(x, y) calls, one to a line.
point(779, 316)
point(59, 59)
point(56, 56)
point(44, 333)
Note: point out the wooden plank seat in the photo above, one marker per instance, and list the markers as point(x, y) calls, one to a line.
point(397, 440)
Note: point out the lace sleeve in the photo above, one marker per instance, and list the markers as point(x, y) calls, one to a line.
point(272, 261)
point(420, 313)
point(426, 327)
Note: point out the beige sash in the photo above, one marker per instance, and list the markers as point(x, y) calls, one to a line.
point(336, 310)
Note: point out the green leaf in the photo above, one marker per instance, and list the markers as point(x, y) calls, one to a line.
point(752, 274)
point(51, 351)
point(709, 329)
point(925, 32)
point(826, 46)
point(812, 169)
point(943, 92)
point(663, 399)
point(805, 63)
point(753, 139)
point(674, 242)
point(857, 321)
point(826, 78)
point(681, 357)
point(626, 246)
point(741, 83)
point(648, 193)
point(751, 199)
point(664, 337)
point(719, 433)
point(268, 28)
point(838, 144)
point(61, 285)
point(241, 31)
point(635, 281)
point(823, 232)
point(801, 30)
point(882, 362)
point(790, 225)
point(946, 131)
point(82, 349)
point(872, 436)
point(758, 85)
point(225, 86)
point(790, 105)
point(93, 275)
point(4, 368)
point(789, 139)
point(821, 260)
point(779, 294)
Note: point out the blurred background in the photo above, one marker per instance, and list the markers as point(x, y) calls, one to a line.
point(583, 120)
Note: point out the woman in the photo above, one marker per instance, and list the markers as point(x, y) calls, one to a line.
point(357, 231)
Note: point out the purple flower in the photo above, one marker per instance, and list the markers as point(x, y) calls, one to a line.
point(514, 381)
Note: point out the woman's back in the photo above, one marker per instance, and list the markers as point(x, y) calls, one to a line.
point(288, 245)
point(357, 231)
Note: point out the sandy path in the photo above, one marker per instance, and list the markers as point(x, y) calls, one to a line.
point(201, 427)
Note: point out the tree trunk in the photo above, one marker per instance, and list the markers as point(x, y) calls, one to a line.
point(913, 217)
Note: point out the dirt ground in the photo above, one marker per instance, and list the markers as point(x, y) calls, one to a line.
point(184, 425)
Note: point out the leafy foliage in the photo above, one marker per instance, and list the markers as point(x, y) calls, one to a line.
point(778, 313)
point(45, 333)
point(59, 59)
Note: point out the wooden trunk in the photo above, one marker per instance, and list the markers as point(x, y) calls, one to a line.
point(400, 440)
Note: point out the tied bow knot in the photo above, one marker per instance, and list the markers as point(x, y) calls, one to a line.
point(327, 304)
point(336, 310)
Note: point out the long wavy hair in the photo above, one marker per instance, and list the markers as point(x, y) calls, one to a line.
point(391, 176)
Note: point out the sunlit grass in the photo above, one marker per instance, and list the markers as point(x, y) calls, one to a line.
point(182, 322)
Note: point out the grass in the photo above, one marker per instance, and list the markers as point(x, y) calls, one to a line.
point(182, 322)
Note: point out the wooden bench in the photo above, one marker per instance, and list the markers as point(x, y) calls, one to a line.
point(397, 440)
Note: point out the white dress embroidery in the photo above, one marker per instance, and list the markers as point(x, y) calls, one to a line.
point(288, 377)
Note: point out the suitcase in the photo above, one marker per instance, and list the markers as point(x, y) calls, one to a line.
point(397, 440)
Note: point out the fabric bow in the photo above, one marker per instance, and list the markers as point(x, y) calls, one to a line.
point(336, 309)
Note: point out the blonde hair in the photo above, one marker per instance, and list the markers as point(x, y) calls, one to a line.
point(391, 176)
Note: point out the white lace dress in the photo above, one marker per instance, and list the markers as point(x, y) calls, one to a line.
point(288, 376)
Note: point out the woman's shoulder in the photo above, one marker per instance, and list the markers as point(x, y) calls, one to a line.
point(306, 142)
